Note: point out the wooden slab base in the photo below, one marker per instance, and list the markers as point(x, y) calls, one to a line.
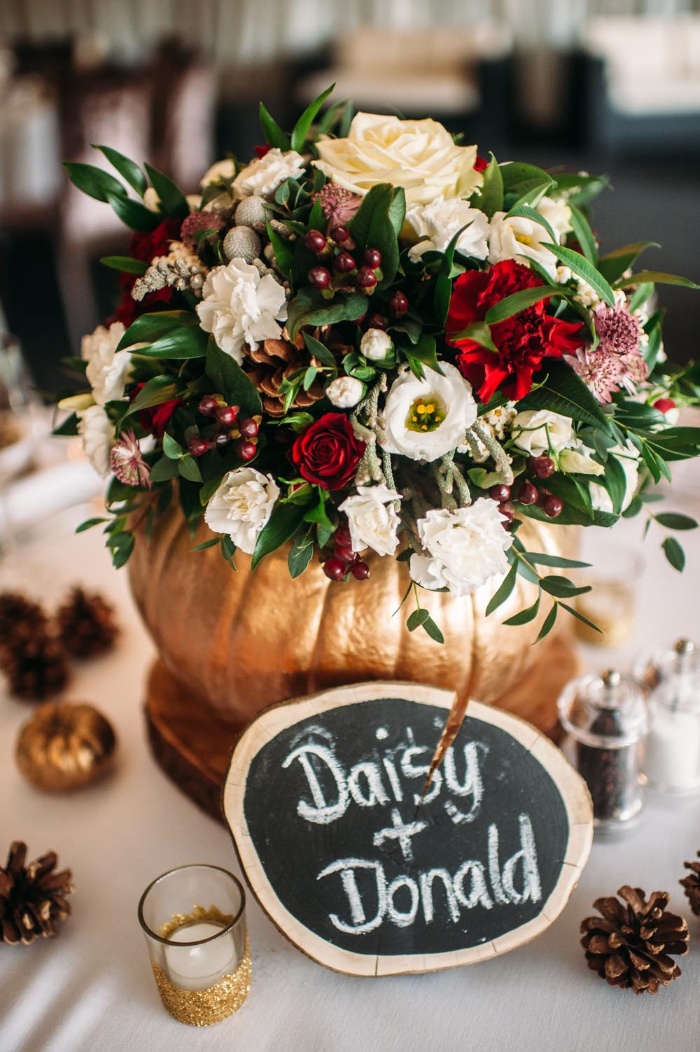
point(192, 743)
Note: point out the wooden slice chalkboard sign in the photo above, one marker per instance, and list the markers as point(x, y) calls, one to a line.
point(323, 798)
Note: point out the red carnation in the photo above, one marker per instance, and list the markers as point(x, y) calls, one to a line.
point(521, 341)
point(155, 418)
point(328, 452)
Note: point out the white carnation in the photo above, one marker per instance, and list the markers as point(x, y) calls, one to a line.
point(628, 458)
point(536, 432)
point(239, 307)
point(438, 222)
point(520, 238)
point(107, 368)
point(558, 214)
point(97, 433)
point(345, 391)
point(372, 519)
point(265, 174)
point(241, 506)
point(425, 419)
point(464, 547)
point(376, 344)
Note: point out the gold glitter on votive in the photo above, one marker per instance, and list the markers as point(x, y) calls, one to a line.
point(198, 914)
point(204, 1007)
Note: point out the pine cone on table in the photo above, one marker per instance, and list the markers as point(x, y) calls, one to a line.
point(32, 898)
point(35, 666)
point(86, 624)
point(631, 945)
point(274, 361)
point(691, 885)
point(19, 616)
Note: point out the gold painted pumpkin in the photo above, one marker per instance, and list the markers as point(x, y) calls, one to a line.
point(240, 641)
point(65, 746)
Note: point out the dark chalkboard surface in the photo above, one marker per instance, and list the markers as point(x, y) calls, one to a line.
point(369, 876)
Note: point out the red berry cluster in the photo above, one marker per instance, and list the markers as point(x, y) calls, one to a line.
point(527, 493)
point(226, 428)
point(343, 270)
point(344, 560)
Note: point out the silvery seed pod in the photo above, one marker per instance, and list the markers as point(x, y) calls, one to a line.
point(242, 243)
point(251, 212)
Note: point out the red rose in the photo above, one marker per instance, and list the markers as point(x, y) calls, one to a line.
point(328, 452)
point(155, 418)
point(522, 341)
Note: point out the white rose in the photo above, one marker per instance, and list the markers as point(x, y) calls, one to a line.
point(97, 433)
point(516, 237)
point(107, 368)
point(558, 215)
point(372, 519)
point(376, 344)
point(538, 432)
point(265, 174)
point(241, 506)
point(628, 457)
point(345, 391)
point(421, 156)
point(464, 547)
point(221, 171)
point(239, 307)
point(438, 222)
point(424, 419)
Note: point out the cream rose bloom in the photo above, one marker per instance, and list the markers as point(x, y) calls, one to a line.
point(345, 391)
point(420, 156)
point(517, 237)
point(107, 368)
point(536, 432)
point(437, 223)
point(376, 344)
point(265, 174)
point(241, 506)
point(372, 519)
point(97, 433)
point(239, 307)
point(425, 419)
point(464, 547)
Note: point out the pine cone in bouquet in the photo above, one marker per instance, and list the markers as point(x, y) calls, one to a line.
point(691, 885)
point(86, 624)
point(35, 666)
point(632, 943)
point(19, 616)
point(33, 898)
point(273, 363)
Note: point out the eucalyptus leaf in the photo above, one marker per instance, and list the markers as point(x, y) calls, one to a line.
point(673, 520)
point(674, 553)
point(548, 623)
point(504, 590)
point(525, 616)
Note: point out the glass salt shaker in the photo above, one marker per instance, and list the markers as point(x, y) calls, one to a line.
point(672, 750)
point(605, 720)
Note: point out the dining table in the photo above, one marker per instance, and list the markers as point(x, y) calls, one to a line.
point(91, 986)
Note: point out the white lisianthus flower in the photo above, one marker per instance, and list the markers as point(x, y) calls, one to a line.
point(376, 344)
point(536, 432)
point(520, 238)
point(424, 419)
point(107, 368)
point(239, 307)
point(558, 214)
point(345, 391)
point(263, 175)
point(372, 519)
point(437, 223)
point(628, 457)
point(220, 172)
point(241, 506)
point(421, 156)
point(464, 547)
point(577, 462)
point(97, 433)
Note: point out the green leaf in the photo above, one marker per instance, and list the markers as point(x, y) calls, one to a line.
point(534, 216)
point(674, 553)
point(673, 520)
point(121, 545)
point(504, 590)
point(231, 382)
point(172, 199)
point(274, 135)
point(94, 182)
point(421, 618)
point(207, 544)
point(320, 351)
point(433, 630)
point(640, 296)
point(525, 616)
point(397, 209)
point(479, 332)
point(188, 468)
point(171, 447)
point(125, 264)
point(228, 548)
point(614, 264)
point(88, 524)
point(563, 391)
point(424, 353)
point(490, 198)
point(189, 342)
point(443, 284)
point(163, 470)
point(615, 482)
point(562, 587)
point(282, 524)
point(580, 617)
point(581, 266)
point(150, 327)
point(300, 555)
point(157, 390)
point(68, 427)
point(548, 623)
point(544, 559)
point(303, 125)
point(309, 308)
point(519, 177)
point(655, 277)
point(372, 227)
point(584, 236)
point(531, 198)
point(134, 214)
point(127, 168)
point(284, 252)
point(517, 302)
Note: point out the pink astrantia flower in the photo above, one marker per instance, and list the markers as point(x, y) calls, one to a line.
point(127, 463)
point(338, 204)
point(606, 373)
point(619, 332)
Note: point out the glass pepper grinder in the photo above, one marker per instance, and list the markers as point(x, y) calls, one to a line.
point(605, 720)
point(672, 749)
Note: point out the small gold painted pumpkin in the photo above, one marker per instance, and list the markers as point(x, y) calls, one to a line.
point(65, 746)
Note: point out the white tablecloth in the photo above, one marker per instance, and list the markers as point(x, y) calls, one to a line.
point(92, 988)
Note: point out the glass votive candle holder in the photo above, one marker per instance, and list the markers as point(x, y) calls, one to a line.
point(611, 604)
point(193, 918)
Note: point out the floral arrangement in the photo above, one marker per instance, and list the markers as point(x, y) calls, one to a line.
point(370, 337)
